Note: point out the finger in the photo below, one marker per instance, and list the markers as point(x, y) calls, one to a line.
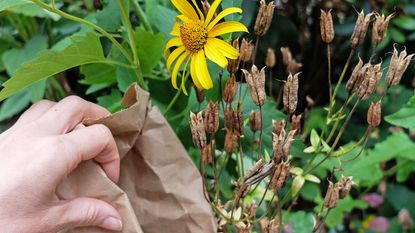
point(84, 212)
point(68, 113)
point(92, 142)
point(33, 113)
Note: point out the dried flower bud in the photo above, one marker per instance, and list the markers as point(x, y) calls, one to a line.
point(360, 29)
point(345, 184)
point(287, 144)
point(296, 123)
point(292, 65)
point(255, 121)
point(380, 28)
point(198, 130)
point(256, 84)
point(207, 153)
point(332, 196)
point(211, 119)
point(370, 81)
point(374, 114)
point(231, 141)
point(281, 145)
point(280, 176)
point(230, 90)
point(246, 51)
point(264, 18)
point(290, 94)
point(398, 65)
point(326, 26)
point(199, 95)
point(405, 219)
point(279, 127)
point(233, 65)
point(270, 59)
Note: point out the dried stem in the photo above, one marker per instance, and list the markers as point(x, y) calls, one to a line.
point(329, 70)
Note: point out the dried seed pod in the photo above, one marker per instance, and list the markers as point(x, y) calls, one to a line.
point(405, 219)
point(277, 147)
point(280, 176)
point(332, 196)
point(231, 141)
point(398, 65)
point(233, 65)
point(264, 18)
point(207, 153)
point(326, 26)
point(374, 114)
point(345, 184)
point(211, 119)
point(287, 144)
point(370, 81)
point(238, 119)
point(267, 226)
point(198, 130)
point(290, 93)
point(360, 30)
point(256, 84)
point(353, 80)
point(296, 123)
point(246, 51)
point(270, 59)
point(255, 121)
point(278, 127)
point(258, 165)
point(292, 65)
point(380, 28)
point(230, 90)
point(229, 119)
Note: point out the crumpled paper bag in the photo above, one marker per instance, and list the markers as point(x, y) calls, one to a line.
point(160, 189)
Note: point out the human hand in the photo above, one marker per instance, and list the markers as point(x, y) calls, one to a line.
point(38, 152)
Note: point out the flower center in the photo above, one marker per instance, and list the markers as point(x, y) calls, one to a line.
point(194, 35)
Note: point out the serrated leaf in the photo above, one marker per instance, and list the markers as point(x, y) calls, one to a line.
point(109, 18)
point(150, 49)
point(405, 117)
point(312, 178)
point(297, 184)
point(83, 50)
point(98, 74)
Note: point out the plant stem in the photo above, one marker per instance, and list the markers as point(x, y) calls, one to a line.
point(366, 137)
point(342, 74)
point(270, 84)
point(329, 70)
point(141, 15)
point(260, 134)
point(255, 50)
point(333, 130)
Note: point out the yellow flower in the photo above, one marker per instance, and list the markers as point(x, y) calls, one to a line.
point(195, 37)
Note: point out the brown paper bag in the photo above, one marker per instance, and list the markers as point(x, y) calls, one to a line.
point(160, 189)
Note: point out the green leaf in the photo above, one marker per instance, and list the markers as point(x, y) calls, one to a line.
point(312, 178)
point(112, 102)
point(109, 18)
point(309, 150)
point(150, 49)
point(232, 3)
point(83, 50)
point(300, 221)
point(98, 73)
point(407, 23)
point(314, 139)
point(14, 104)
point(404, 170)
point(405, 117)
point(163, 19)
point(10, 4)
point(297, 184)
point(397, 35)
point(296, 171)
point(400, 197)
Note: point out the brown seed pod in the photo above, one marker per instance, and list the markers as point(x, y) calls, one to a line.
point(290, 93)
point(351, 83)
point(269, 226)
point(345, 184)
point(380, 27)
point(256, 84)
point(374, 114)
point(278, 127)
point(296, 123)
point(360, 30)
point(207, 153)
point(326, 26)
point(270, 59)
point(246, 51)
point(238, 117)
point(264, 18)
point(233, 65)
point(332, 196)
point(255, 121)
point(398, 65)
point(230, 89)
point(231, 141)
point(292, 65)
point(198, 130)
point(229, 119)
point(211, 119)
point(370, 81)
point(281, 145)
point(280, 176)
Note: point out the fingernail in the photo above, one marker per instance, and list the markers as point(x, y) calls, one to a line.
point(112, 223)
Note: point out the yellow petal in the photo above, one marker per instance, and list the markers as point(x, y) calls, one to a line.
point(185, 8)
point(177, 68)
point(226, 49)
point(215, 55)
point(176, 30)
point(222, 15)
point(227, 27)
point(193, 72)
point(175, 42)
point(174, 55)
point(212, 11)
point(183, 18)
point(202, 17)
point(183, 85)
point(201, 67)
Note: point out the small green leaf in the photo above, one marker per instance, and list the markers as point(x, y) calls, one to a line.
point(397, 35)
point(312, 178)
point(297, 184)
point(407, 23)
point(314, 139)
point(405, 117)
point(296, 171)
point(326, 147)
point(309, 150)
point(112, 102)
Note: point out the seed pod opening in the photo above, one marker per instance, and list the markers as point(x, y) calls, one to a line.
point(345, 185)
point(197, 128)
point(256, 84)
point(290, 93)
point(326, 26)
point(264, 18)
point(380, 28)
point(246, 51)
point(332, 196)
point(360, 29)
point(398, 65)
point(296, 123)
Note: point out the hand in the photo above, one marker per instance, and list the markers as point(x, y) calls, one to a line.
point(36, 155)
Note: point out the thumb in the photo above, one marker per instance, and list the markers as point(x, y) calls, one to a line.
point(83, 212)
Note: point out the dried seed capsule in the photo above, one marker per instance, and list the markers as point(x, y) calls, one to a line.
point(326, 26)
point(287, 144)
point(286, 55)
point(370, 81)
point(258, 165)
point(277, 147)
point(264, 18)
point(350, 85)
point(380, 28)
point(360, 29)
point(246, 51)
point(207, 153)
point(280, 176)
point(345, 184)
point(278, 127)
point(296, 123)
point(238, 118)
point(198, 130)
point(233, 65)
point(211, 119)
point(256, 84)
point(332, 196)
point(290, 93)
point(267, 226)
point(230, 90)
point(398, 65)
point(292, 65)
point(255, 121)
point(229, 119)
point(270, 59)
point(374, 114)
point(231, 141)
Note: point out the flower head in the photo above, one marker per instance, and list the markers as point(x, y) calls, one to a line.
point(195, 39)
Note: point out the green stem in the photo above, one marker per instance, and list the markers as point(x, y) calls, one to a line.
point(176, 97)
point(117, 63)
point(333, 130)
point(141, 15)
point(342, 74)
